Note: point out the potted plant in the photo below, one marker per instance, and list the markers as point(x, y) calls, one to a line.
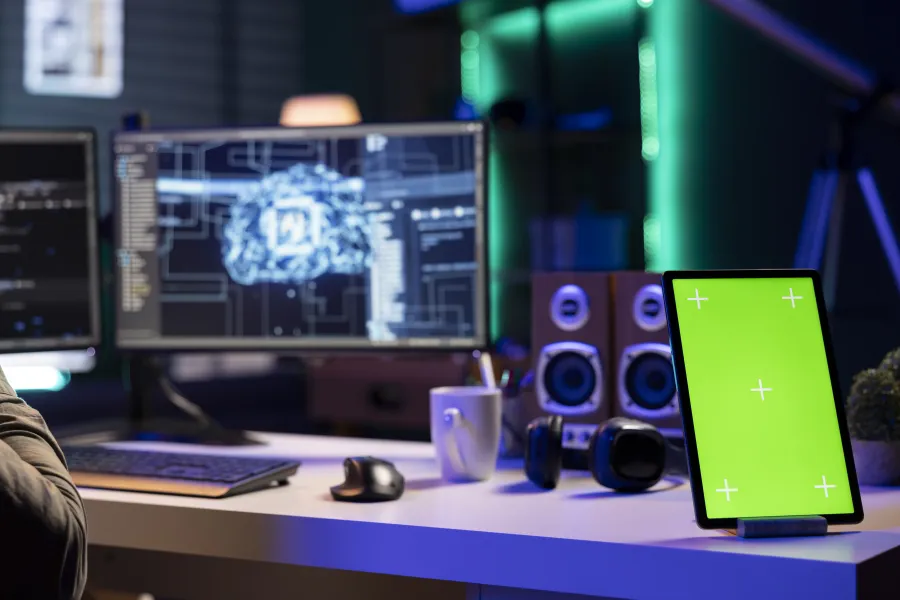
point(873, 417)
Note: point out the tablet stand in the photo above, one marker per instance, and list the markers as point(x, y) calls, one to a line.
point(781, 527)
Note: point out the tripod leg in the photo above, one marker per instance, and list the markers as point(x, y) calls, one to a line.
point(807, 229)
point(831, 262)
point(818, 213)
point(881, 222)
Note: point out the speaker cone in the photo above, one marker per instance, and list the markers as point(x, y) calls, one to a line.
point(569, 378)
point(647, 382)
point(650, 381)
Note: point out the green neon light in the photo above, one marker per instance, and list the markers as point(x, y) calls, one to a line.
point(485, 81)
point(469, 40)
point(499, 38)
point(671, 39)
point(518, 24)
point(651, 240)
point(568, 17)
point(470, 66)
point(649, 100)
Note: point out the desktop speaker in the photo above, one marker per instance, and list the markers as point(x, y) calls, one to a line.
point(645, 379)
point(570, 333)
point(380, 391)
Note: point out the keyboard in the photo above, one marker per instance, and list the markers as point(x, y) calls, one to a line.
point(201, 475)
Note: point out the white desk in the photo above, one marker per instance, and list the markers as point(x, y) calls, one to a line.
point(494, 536)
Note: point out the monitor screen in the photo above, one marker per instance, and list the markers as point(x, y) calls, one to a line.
point(319, 238)
point(49, 281)
point(761, 396)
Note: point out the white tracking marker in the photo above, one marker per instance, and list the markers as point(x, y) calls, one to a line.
point(762, 391)
point(792, 298)
point(697, 298)
point(825, 485)
point(727, 491)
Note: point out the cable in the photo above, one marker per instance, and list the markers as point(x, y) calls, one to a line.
point(172, 394)
point(179, 400)
point(519, 438)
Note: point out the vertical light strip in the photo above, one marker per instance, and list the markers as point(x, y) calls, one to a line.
point(664, 228)
point(649, 139)
point(470, 66)
point(649, 100)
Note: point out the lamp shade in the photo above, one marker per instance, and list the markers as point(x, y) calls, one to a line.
point(320, 110)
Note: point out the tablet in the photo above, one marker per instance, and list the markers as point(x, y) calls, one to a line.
point(764, 423)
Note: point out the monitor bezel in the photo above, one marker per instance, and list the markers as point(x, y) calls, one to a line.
point(700, 512)
point(184, 345)
point(95, 275)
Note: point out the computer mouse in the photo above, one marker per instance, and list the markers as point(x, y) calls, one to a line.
point(369, 479)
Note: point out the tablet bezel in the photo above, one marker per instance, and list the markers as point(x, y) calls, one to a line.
point(703, 520)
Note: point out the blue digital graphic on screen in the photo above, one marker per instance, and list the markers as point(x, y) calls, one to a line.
point(370, 237)
point(296, 225)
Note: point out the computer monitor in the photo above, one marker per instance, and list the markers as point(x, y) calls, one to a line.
point(327, 238)
point(49, 268)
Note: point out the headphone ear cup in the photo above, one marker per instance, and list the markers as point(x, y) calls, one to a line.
point(627, 455)
point(543, 451)
point(598, 458)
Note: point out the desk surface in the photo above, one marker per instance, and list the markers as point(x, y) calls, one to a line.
point(579, 538)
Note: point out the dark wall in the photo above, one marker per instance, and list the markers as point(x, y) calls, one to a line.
point(195, 63)
point(398, 67)
point(760, 129)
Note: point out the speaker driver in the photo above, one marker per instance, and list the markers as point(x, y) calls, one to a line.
point(647, 381)
point(569, 379)
point(648, 310)
point(570, 308)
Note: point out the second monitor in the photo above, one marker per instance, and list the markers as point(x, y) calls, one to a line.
point(322, 238)
point(49, 271)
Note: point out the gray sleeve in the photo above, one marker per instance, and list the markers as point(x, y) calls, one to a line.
point(44, 549)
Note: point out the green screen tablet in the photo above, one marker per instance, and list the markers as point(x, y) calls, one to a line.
point(763, 414)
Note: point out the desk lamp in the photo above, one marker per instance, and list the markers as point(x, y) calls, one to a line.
point(320, 110)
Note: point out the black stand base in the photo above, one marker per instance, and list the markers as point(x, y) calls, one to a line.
point(143, 375)
point(781, 527)
point(160, 430)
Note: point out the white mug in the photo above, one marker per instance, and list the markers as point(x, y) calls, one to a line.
point(465, 431)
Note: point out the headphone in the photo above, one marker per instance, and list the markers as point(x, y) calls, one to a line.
point(625, 455)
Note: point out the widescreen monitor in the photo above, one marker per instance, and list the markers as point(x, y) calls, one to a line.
point(329, 238)
point(49, 269)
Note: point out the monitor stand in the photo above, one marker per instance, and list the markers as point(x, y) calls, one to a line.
point(143, 375)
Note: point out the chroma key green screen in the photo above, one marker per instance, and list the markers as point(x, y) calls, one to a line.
point(767, 433)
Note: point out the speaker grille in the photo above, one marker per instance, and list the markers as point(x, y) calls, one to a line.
point(650, 381)
point(647, 383)
point(569, 379)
